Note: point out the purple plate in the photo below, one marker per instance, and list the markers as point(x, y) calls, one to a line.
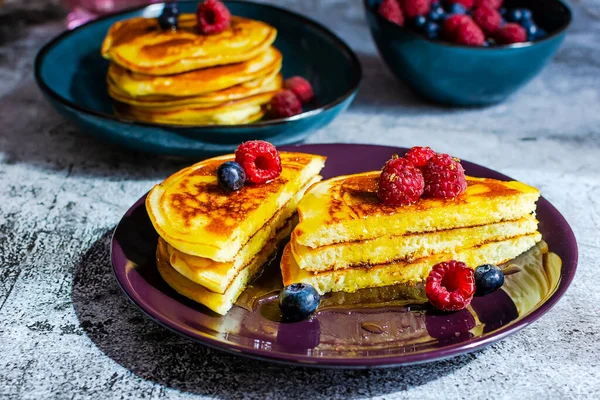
point(364, 330)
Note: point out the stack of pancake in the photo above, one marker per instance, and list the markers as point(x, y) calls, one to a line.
point(183, 77)
point(213, 244)
point(347, 240)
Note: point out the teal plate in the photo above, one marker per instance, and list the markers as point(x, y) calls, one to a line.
point(71, 73)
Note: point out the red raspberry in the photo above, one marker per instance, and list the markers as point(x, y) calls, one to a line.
point(444, 177)
point(285, 104)
point(451, 25)
point(467, 3)
point(213, 17)
point(450, 286)
point(260, 160)
point(419, 156)
point(488, 19)
point(470, 34)
point(390, 10)
point(400, 184)
point(495, 4)
point(301, 88)
point(413, 8)
point(511, 33)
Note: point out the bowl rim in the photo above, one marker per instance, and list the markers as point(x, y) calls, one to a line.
point(356, 69)
point(519, 45)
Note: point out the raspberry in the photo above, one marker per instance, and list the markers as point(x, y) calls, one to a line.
point(285, 104)
point(213, 17)
point(451, 25)
point(488, 19)
point(301, 88)
point(419, 156)
point(450, 286)
point(400, 184)
point(495, 4)
point(260, 160)
point(414, 8)
point(511, 33)
point(470, 34)
point(390, 10)
point(444, 177)
point(467, 3)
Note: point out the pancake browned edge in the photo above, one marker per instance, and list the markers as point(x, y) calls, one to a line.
point(217, 302)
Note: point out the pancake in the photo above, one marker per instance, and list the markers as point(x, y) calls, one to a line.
point(196, 82)
point(217, 276)
point(219, 303)
point(271, 82)
point(241, 111)
point(407, 247)
point(196, 217)
point(352, 279)
point(346, 208)
point(139, 45)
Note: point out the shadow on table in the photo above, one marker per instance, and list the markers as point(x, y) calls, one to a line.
point(158, 355)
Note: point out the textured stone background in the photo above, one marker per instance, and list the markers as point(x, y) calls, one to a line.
point(66, 331)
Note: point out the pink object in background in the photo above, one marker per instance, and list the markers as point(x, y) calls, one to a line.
point(81, 11)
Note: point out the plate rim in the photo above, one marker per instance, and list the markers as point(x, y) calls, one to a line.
point(386, 361)
point(356, 67)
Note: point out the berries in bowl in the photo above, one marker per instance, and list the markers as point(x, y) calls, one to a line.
point(467, 52)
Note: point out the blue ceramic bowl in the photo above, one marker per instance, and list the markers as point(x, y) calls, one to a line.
point(468, 76)
point(71, 73)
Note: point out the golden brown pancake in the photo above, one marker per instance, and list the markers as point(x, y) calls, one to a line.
point(191, 212)
point(346, 208)
point(241, 111)
point(138, 44)
point(196, 82)
point(268, 83)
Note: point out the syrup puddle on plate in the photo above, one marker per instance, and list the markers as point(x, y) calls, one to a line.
point(399, 315)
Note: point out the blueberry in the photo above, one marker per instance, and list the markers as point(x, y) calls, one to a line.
point(431, 30)
point(541, 33)
point(298, 301)
point(532, 32)
point(436, 14)
point(490, 42)
point(526, 14)
point(169, 16)
point(457, 8)
point(419, 23)
point(502, 11)
point(527, 23)
point(514, 15)
point(231, 176)
point(488, 278)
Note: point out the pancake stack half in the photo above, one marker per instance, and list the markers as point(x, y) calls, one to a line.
point(213, 244)
point(347, 240)
point(183, 77)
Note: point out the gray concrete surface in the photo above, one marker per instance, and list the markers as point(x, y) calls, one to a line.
point(67, 332)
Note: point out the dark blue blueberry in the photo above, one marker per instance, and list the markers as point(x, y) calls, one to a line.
point(457, 8)
point(502, 11)
point(298, 301)
point(488, 278)
point(168, 18)
point(541, 33)
point(527, 23)
point(526, 14)
point(436, 14)
point(419, 23)
point(231, 176)
point(432, 30)
point(514, 15)
point(532, 32)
